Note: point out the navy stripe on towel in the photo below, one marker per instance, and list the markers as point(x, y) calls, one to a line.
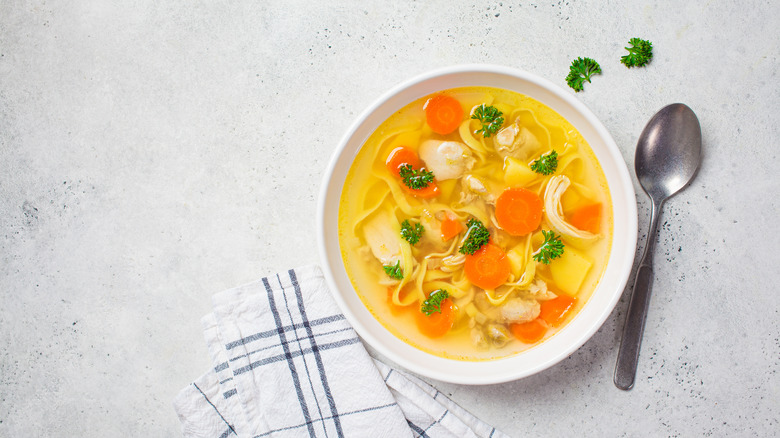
point(288, 356)
point(317, 357)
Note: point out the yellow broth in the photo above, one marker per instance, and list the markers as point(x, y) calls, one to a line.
point(373, 195)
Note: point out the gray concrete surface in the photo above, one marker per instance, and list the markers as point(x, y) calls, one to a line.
point(155, 153)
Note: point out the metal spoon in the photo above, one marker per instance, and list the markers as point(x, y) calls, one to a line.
point(668, 154)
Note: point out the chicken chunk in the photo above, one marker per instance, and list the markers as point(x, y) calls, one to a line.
point(477, 336)
point(538, 289)
point(383, 238)
point(474, 189)
point(519, 310)
point(513, 310)
point(432, 225)
point(516, 141)
point(446, 159)
point(498, 334)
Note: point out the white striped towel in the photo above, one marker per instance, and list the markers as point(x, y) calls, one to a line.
point(288, 364)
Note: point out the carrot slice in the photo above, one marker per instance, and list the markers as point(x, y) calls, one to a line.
point(450, 228)
point(553, 311)
point(519, 211)
point(402, 156)
point(587, 218)
point(529, 332)
point(437, 324)
point(443, 113)
point(488, 267)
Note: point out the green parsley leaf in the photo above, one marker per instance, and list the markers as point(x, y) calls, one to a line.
point(490, 117)
point(394, 271)
point(415, 179)
point(639, 54)
point(476, 236)
point(581, 70)
point(411, 233)
point(546, 164)
point(552, 248)
point(433, 303)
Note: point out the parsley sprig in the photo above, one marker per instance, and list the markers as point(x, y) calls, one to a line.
point(552, 248)
point(394, 271)
point(546, 164)
point(639, 54)
point(434, 301)
point(415, 179)
point(411, 233)
point(581, 70)
point(490, 117)
point(476, 236)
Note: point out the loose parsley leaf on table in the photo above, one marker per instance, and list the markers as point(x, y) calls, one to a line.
point(476, 236)
point(552, 248)
point(415, 179)
point(394, 271)
point(490, 117)
point(639, 54)
point(411, 233)
point(433, 303)
point(581, 70)
point(546, 164)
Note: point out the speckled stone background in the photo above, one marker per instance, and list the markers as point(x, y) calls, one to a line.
point(154, 153)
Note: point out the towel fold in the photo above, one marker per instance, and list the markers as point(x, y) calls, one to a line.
point(288, 364)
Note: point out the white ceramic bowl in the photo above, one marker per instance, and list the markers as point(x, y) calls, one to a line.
point(584, 324)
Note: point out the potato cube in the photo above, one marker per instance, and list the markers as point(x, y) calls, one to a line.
point(570, 270)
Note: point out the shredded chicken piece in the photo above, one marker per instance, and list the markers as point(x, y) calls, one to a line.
point(513, 310)
point(432, 226)
point(498, 334)
point(519, 310)
point(516, 141)
point(552, 206)
point(477, 336)
point(506, 136)
point(475, 185)
point(434, 263)
point(539, 290)
point(474, 188)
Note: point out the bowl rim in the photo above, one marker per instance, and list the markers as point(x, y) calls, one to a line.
point(626, 247)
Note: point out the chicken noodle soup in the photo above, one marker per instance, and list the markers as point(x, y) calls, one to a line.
point(475, 223)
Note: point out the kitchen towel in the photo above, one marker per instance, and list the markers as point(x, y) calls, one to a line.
point(288, 364)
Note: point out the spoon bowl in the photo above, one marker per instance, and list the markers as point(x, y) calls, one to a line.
point(668, 152)
point(668, 155)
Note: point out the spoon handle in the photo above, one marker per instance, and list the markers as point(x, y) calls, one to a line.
point(628, 355)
